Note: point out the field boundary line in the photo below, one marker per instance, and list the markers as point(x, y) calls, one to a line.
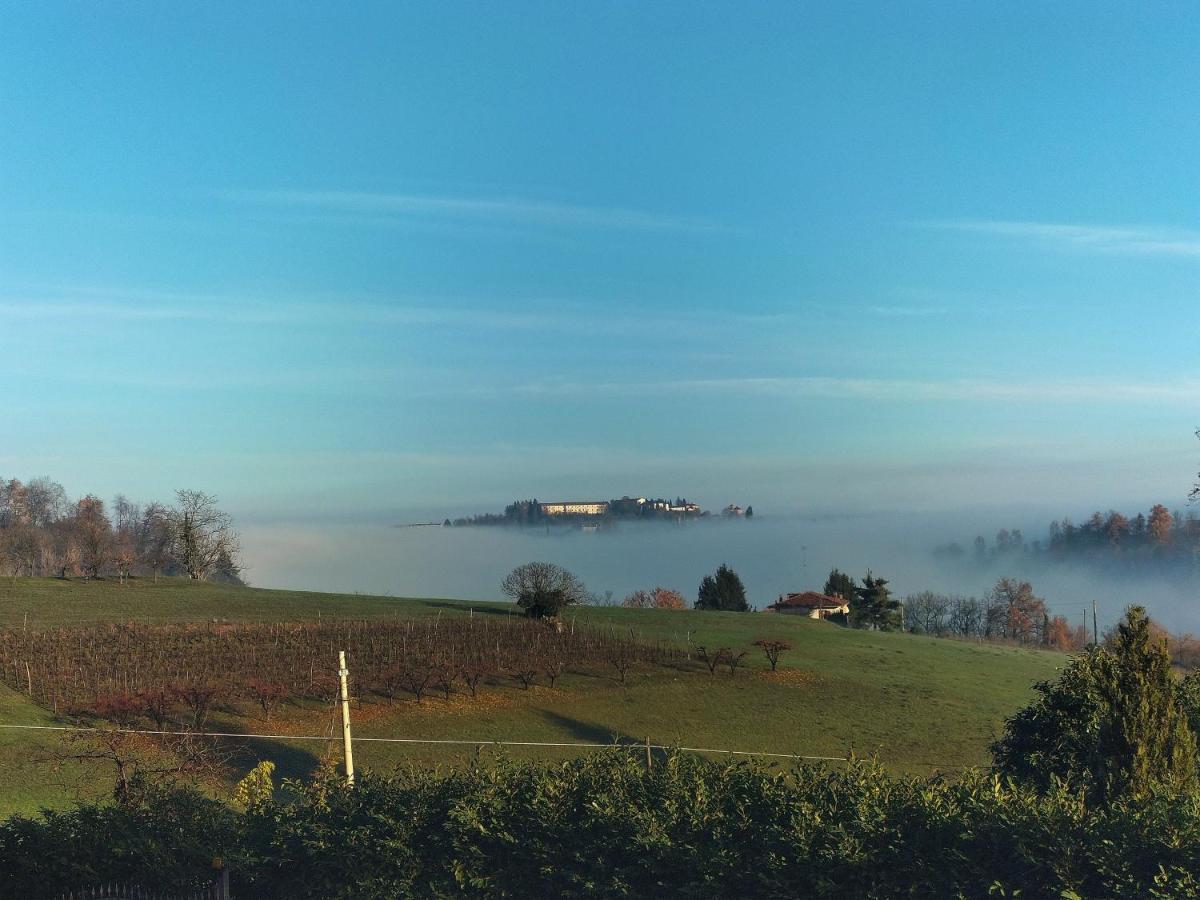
point(453, 741)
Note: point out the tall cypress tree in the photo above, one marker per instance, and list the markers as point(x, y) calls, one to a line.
point(1145, 740)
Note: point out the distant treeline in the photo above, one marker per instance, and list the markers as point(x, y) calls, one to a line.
point(44, 532)
point(1158, 537)
point(1009, 613)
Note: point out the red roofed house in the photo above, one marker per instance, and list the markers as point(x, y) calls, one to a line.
point(811, 604)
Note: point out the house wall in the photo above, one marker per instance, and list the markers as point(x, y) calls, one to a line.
point(811, 613)
point(575, 509)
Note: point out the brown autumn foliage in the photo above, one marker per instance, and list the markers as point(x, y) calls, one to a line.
point(658, 598)
point(665, 598)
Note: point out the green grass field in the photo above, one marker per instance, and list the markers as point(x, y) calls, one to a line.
point(917, 703)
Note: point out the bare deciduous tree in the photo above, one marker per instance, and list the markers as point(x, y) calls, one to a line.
point(772, 647)
point(203, 535)
point(416, 676)
point(198, 694)
point(443, 677)
point(966, 617)
point(139, 761)
point(23, 547)
point(267, 694)
point(925, 613)
point(621, 656)
point(638, 600)
point(95, 535)
point(153, 541)
point(526, 672)
point(157, 704)
point(543, 589)
point(472, 673)
point(46, 502)
point(712, 660)
point(733, 660)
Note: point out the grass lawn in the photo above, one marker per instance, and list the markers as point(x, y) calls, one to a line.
point(917, 703)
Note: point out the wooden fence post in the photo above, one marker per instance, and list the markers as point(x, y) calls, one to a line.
point(343, 674)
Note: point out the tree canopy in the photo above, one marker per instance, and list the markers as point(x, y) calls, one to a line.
point(543, 589)
point(839, 584)
point(722, 591)
point(44, 533)
point(873, 605)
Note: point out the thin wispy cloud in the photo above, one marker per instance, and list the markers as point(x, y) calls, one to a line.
point(363, 378)
point(906, 312)
point(154, 307)
point(521, 210)
point(15, 310)
point(1133, 240)
point(227, 311)
point(882, 389)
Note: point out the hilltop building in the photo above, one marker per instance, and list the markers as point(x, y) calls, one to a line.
point(626, 506)
point(810, 604)
point(670, 506)
point(575, 508)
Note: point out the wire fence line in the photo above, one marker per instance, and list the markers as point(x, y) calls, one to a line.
point(583, 745)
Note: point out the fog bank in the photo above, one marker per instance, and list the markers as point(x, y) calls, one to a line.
point(773, 555)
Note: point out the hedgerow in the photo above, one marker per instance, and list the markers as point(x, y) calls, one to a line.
point(604, 826)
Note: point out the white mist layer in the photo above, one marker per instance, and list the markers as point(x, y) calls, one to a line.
point(772, 556)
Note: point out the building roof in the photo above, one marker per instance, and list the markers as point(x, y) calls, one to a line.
point(808, 600)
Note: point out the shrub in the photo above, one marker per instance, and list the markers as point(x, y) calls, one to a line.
point(1113, 723)
point(604, 826)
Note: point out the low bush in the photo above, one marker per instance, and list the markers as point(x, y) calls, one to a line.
point(604, 826)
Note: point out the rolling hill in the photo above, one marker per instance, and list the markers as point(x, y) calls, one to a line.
point(919, 704)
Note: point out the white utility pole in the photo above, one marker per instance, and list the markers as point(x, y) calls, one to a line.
point(343, 674)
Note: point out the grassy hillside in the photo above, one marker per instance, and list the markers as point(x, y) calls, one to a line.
point(918, 703)
point(52, 602)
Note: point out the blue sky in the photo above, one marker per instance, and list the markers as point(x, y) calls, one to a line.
point(440, 255)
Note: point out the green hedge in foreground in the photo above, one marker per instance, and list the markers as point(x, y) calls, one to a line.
point(604, 826)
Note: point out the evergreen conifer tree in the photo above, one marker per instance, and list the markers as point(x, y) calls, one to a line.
point(1116, 722)
point(1145, 740)
point(839, 584)
point(723, 591)
point(873, 605)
